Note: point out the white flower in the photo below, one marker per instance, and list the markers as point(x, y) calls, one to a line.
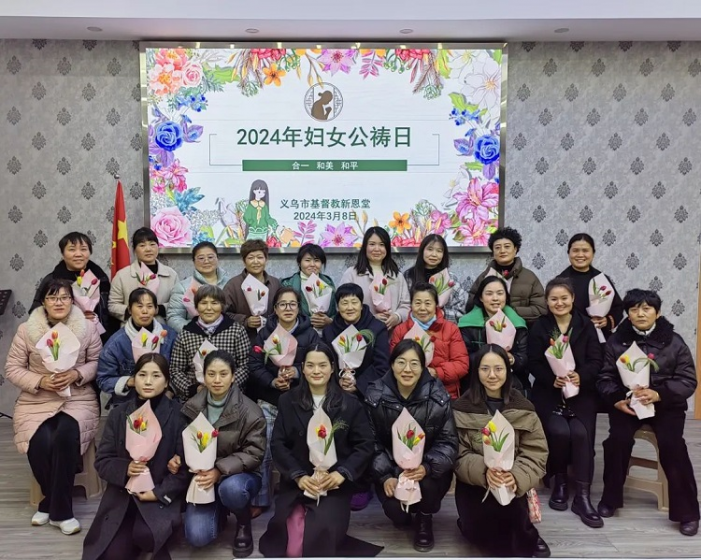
point(483, 85)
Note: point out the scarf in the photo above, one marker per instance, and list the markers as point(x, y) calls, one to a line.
point(424, 326)
point(644, 333)
point(131, 329)
point(210, 328)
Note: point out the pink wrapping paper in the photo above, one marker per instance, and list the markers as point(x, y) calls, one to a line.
point(189, 299)
point(280, 347)
point(405, 427)
point(419, 335)
point(197, 460)
point(492, 272)
point(322, 450)
point(198, 360)
point(600, 300)
point(68, 351)
point(317, 293)
point(502, 459)
point(444, 286)
point(350, 346)
point(380, 293)
point(146, 342)
point(506, 337)
point(142, 446)
point(640, 378)
point(86, 295)
point(148, 279)
point(562, 367)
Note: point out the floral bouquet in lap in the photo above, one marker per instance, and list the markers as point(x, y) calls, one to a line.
point(59, 349)
point(200, 446)
point(143, 436)
point(498, 448)
point(634, 368)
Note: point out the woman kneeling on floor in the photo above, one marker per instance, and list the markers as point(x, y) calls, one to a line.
point(491, 391)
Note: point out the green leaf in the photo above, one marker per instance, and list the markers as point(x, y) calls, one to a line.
point(222, 75)
point(442, 64)
point(496, 55)
point(473, 166)
point(459, 101)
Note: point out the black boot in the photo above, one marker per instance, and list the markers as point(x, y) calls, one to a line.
point(560, 493)
point(581, 505)
point(542, 550)
point(243, 542)
point(423, 533)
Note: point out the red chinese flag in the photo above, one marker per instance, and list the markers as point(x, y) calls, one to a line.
point(120, 247)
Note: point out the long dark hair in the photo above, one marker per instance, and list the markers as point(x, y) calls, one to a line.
point(259, 184)
point(417, 273)
point(362, 266)
point(476, 392)
point(484, 283)
point(334, 393)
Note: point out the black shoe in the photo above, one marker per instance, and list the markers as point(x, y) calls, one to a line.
point(689, 529)
point(423, 533)
point(605, 510)
point(243, 541)
point(560, 494)
point(542, 550)
point(581, 505)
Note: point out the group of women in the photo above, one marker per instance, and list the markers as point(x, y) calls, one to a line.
point(261, 411)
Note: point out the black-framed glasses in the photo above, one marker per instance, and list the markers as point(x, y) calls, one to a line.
point(291, 305)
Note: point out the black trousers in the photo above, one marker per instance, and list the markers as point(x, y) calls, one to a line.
point(569, 441)
point(668, 426)
point(132, 538)
point(502, 531)
point(433, 490)
point(54, 455)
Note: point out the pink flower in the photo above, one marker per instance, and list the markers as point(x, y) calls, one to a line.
point(476, 200)
point(337, 59)
point(340, 236)
point(165, 79)
point(439, 221)
point(273, 242)
point(404, 242)
point(275, 54)
point(176, 57)
point(158, 182)
point(474, 233)
point(172, 228)
point(406, 54)
point(192, 74)
point(174, 176)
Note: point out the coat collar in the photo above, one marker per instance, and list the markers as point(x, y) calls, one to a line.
point(230, 414)
point(475, 318)
point(385, 389)
point(135, 269)
point(38, 324)
point(194, 327)
point(662, 334)
point(515, 271)
point(516, 402)
point(266, 277)
point(221, 278)
point(364, 322)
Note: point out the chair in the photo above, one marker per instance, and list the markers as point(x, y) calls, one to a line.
point(87, 478)
point(660, 486)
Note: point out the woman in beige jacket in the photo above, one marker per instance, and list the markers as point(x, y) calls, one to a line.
point(145, 245)
point(53, 430)
point(502, 530)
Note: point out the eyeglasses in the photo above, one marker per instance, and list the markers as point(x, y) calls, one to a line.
point(486, 370)
point(205, 259)
point(54, 299)
point(413, 366)
point(291, 305)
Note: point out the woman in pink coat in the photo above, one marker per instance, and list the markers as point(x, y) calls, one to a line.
point(54, 431)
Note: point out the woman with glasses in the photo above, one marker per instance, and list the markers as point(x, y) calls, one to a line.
point(268, 381)
point(206, 260)
point(54, 429)
point(410, 386)
point(211, 324)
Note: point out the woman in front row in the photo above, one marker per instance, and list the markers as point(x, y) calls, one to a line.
point(319, 525)
point(500, 530)
point(410, 385)
point(126, 525)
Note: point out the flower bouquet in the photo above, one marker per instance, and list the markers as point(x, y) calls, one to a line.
point(505, 275)
point(380, 293)
point(498, 448)
point(189, 299)
point(444, 286)
point(350, 346)
point(317, 293)
point(86, 295)
point(561, 361)
point(198, 360)
point(420, 336)
point(145, 342)
point(322, 450)
point(200, 446)
point(142, 439)
point(600, 300)
point(148, 279)
point(500, 331)
point(256, 294)
point(59, 349)
point(634, 369)
point(280, 347)
point(408, 452)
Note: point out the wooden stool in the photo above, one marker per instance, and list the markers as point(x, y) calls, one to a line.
point(659, 487)
point(87, 478)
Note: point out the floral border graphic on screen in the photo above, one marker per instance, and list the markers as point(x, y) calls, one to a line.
point(181, 81)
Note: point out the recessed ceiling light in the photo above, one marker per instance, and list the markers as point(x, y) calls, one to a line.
point(562, 30)
point(406, 31)
point(252, 30)
point(94, 29)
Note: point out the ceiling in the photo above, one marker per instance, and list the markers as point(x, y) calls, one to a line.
point(361, 20)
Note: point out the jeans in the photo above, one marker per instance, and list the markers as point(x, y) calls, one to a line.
point(234, 493)
point(264, 497)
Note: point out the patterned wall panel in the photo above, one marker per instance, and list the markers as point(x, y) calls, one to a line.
point(602, 137)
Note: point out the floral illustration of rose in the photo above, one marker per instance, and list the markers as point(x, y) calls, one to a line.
point(487, 149)
point(171, 227)
point(165, 79)
point(168, 135)
point(192, 74)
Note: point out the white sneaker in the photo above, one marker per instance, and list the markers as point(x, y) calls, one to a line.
point(68, 527)
point(40, 518)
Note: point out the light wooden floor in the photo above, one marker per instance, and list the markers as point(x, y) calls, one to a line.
point(638, 530)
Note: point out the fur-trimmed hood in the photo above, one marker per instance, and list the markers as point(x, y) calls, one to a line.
point(38, 324)
point(661, 335)
point(516, 402)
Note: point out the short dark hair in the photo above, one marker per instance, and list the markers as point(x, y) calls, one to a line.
point(405, 345)
point(637, 296)
point(362, 265)
point(253, 245)
point(312, 250)
point(286, 290)
point(559, 282)
point(475, 392)
point(54, 286)
point(347, 290)
point(581, 237)
point(211, 291)
point(424, 287)
point(157, 359)
point(505, 233)
point(143, 235)
point(221, 355)
point(484, 283)
point(204, 245)
point(77, 238)
point(136, 295)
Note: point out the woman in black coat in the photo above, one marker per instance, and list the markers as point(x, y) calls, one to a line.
point(570, 424)
point(581, 250)
point(326, 521)
point(670, 388)
point(267, 381)
point(352, 311)
point(410, 385)
point(126, 525)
